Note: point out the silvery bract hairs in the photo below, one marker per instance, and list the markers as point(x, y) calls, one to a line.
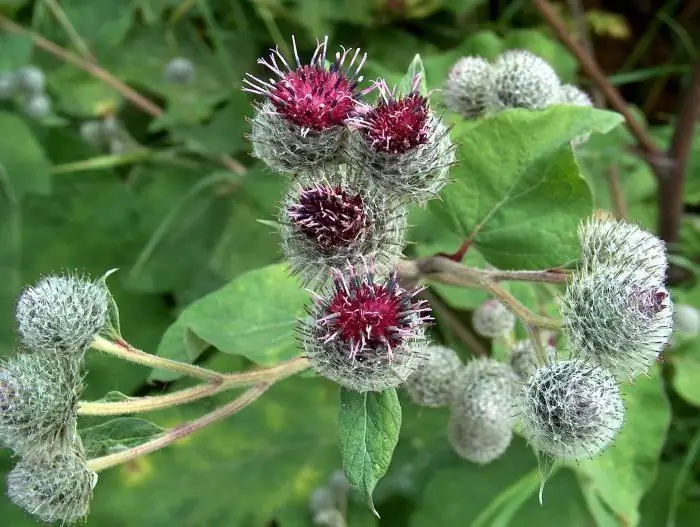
point(466, 90)
point(521, 79)
point(417, 175)
point(608, 241)
point(433, 384)
point(482, 416)
point(570, 409)
point(523, 358)
point(616, 318)
point(492, 319)
point(286, 147)
point(381, 241)
point(62, 314)
point(39, 397)
point(53, 489)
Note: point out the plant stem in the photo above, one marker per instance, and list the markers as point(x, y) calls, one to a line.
point(68, 27)
point(101, 463)
point(671, 184)
point(590, 67)
point(126, 351)
point(616, 194)
point(187, 395)
point(447, 271)
point(96, 71)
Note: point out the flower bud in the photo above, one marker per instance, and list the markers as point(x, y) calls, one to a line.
point(608, 241)
point(616, 318)
point(433, 384)
point(686, 320)
point(7, 86)
point(328, 224)
point(38, 398)
point(301, 124)
point(480, 426)
point(37, 106)
point(62, 314)
point(179, 70)
point(523, 358)
point(321, 499)
point(570, 409)
point(30, 81)
point(492, 319)
point(53, 489)
point(521, 79)
point(467, 87)
point(403, 145)
point(364, 333)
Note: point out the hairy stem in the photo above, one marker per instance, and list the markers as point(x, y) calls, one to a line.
point(96, 71)
point(446, 271)
point(127, 352)
point(187, 395)
point(101, 463)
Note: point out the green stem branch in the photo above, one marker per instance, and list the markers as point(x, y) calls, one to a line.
point(101, 463)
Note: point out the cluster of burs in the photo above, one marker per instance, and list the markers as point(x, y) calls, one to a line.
point(26, 87)
point(40, 385)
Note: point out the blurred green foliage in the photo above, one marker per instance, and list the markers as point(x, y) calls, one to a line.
point(184, 232)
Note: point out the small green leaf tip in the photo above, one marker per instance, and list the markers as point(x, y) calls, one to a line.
point(62, 314)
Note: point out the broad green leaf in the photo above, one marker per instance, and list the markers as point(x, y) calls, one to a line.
point(121, 433)
point(369, 425)
point(253, 316)
point(16, 51)
point(80, 94)
point(624, 472)
point(686, 371)
point(22, 157)
point(517, 189)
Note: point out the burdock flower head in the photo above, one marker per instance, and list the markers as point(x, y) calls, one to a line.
point(301, 123)
point(467, 87)
point(365, 333)
point(403, 145)
point(329, 222)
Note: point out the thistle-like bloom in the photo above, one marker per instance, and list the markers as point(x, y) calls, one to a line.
point(612, 242)
point(617, 318)
point(433, 384)
point(523, 358)
point(38, 398)
point(480, 427)
point(62, 314)
point(570, 409)
point(492, 319)
point(364, 333)
point(403, 145)
point(328, 223)
point(53, 489)
point(521, 79)
point(467, 87)
point(301, 124)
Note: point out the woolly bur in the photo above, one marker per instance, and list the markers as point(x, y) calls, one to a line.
point(330, 224)
point(301, 123)
point(466, 90)
point(480, 426)
point(523, 358)
point(62, 314)
point(38, 398)
point(54, 489)
point(433, 384)
point(492, 319)
point(364, 332)
point(403, 145)
point(570, 409)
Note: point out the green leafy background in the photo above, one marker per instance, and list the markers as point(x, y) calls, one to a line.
point(201, 278)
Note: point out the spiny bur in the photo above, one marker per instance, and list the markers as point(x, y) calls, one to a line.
point(7, 86)
point(37, 106)
point(180, 70)
point(521, 79)
point(492, 319)
point(30, 80)
point(39, 397)
point(300, 125)
point(480, 426)
point(523, 358)
point(53, 489)
point(433, 384)
point(570, 409)
point(402, 145)
point(466, 90)
point(329, 223)
point(62, 314)
point(364, 332)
